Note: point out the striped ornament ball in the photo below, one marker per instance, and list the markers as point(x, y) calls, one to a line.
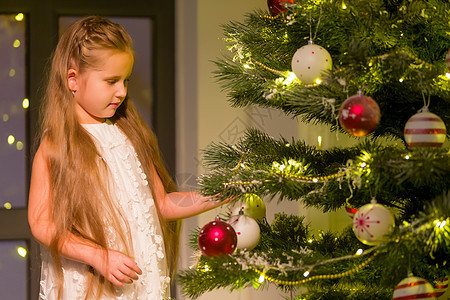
point(413, 287)
point(447, 59)
point(425, 129)
point(440, 286)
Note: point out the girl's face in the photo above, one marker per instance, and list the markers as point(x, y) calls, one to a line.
point(101, 90)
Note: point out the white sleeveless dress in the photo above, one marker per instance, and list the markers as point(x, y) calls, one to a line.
point(136, 203)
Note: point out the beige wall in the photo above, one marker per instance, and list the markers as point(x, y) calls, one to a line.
point(205, 116)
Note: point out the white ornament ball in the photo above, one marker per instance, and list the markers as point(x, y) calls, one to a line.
point(413, 287)
point(425, 129)
point(252, 206)
point(372, 222)
point(311, 62)
point(247, 231)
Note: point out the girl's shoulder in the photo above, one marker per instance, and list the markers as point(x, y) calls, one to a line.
point(43, 151)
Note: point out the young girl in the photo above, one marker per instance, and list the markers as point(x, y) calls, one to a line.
point(101, 201)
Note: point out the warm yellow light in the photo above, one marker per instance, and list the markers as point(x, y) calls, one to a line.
point(25, 103)
point(359, 252)
point(19, 17)
point(247, 66)
point(12, 73)
point(7, 205)
point(363, 165)
point(22, 251)
point(319, 141)
point(11, 139)
point(16, 44)
point(318, 81)
point(261, 278)
point(440, 224)
point(289, 78)
point(309, 241)
point(315, 180)
point(19, 145)
point(344, 6)
point(306, 274)
point(401, 79)
point(5, 117)
point(447, 75)
point(407, 156)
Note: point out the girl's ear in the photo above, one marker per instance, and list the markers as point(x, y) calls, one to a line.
point(72, 82)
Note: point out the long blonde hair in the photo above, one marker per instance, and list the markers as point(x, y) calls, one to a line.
point(80, 199)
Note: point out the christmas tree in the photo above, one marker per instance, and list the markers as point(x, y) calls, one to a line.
point(376, 70)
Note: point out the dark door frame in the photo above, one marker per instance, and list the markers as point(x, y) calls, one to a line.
point(42, 33)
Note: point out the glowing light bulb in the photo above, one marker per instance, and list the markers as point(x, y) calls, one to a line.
point(290, 78)
point(363, 165)
point(261, 278)
point(318, 81)
point(25, 103)
point(359, 252)
point(19, 17)
point(401, 79)
point(344, 6)
point(319, 141)
point(19, 145)
point(7, 205)
point(12, 73)
point(447, 75)
point(315, 180)
point(16, 44)
point(22, 251)
point(11, 139)
point(407, 156)
point(247, 66)
point(306, 274)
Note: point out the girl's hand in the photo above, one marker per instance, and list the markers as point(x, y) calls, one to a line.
point(119, 269)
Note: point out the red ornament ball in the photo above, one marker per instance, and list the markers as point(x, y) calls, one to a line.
point(425, 129)
point(359, 115)
point(413, 287)
point(217, 238)
point(277, 6)
point(351, 211)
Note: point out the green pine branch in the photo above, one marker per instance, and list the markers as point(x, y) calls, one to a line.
point(374, 45)
point(287, 250)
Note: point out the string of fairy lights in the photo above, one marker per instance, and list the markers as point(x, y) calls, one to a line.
point(13, 43)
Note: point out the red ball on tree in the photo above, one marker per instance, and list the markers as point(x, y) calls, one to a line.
point(217, 238)
point(277, 6)
point(359, 115)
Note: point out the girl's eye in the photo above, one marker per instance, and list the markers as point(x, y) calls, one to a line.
point(111, 81)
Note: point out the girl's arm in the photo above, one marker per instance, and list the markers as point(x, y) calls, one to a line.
point(118, 268)
point(181, 205)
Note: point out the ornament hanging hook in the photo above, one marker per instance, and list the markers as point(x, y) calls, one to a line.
point(311, 38)
point(426, 103)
